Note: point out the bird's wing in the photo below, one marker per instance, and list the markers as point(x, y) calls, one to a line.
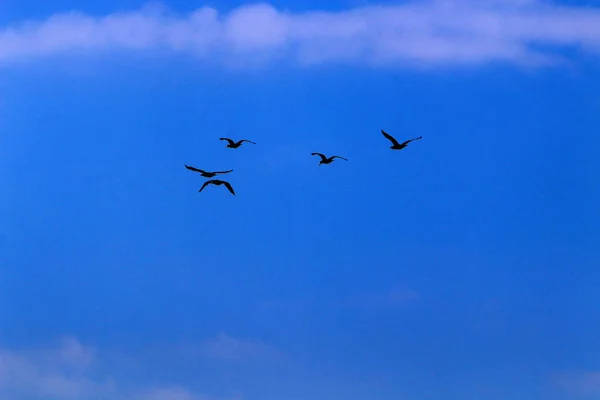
point(244, 140)
point(410, 140)
point(205, 184)
point(194, 169)
point(320, 155)
point(340, 157)
point(390, 138)
point(222, 172)
point(228, 186)
point(229, 140)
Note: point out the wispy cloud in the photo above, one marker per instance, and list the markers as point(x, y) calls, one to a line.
point(399, 296)
point(226, 347)
point(415, 33)
point(580, 383)
point(175, 393)
point(70, 371)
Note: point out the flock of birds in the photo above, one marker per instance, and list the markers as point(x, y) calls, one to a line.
point(324, 160)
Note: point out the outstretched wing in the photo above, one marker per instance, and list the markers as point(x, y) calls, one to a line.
point(340, 157)
point(390, 138)
point(206, 184)
point(229, 140)
point(244, 140)
point(228, 186)
point(222, 172)
point(194, 169)
point(410, 140)
point(320, 155)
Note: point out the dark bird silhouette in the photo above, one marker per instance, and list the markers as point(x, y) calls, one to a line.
point(395, 144)
point(235, 145)
point(206, 174)
point(326, 160)
point(218, 183)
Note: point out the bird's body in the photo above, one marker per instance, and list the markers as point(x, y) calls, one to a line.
point(395, 145)
point(218, 183)
point(234, 145)
point(326, 160)
point(207, 174)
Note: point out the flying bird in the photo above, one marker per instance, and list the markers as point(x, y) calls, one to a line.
point(395, 144)
point(326, 160)
point(206, 174)
point(235, 145)
point(218, 183)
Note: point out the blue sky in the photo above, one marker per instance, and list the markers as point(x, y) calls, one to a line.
point(463, 267)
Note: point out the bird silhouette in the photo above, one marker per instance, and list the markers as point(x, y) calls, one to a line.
point(235, 145)
point(206, 174)
point(395, 144)
point(326, 160)
point(218, 183)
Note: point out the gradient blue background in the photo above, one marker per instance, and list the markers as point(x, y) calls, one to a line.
point(493, 218)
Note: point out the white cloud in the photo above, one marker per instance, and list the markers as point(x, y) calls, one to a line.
point(416, 33)
point(69, 372)
point(56, 372)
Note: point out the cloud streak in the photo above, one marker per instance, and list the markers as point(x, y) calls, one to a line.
point(416, 33)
